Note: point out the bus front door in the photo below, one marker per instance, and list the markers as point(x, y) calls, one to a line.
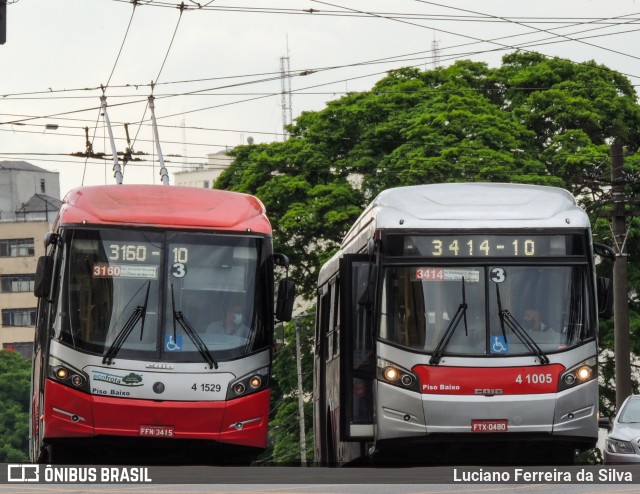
point(358, 356)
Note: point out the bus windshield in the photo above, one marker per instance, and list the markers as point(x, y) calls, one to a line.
point(549, 303)
point(143, 294)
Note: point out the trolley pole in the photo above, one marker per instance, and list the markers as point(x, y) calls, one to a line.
point(303, 439)
point(620, 278)
point(164, 176)
point(117, 171)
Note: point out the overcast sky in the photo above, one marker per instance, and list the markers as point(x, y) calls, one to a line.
point(217, 68)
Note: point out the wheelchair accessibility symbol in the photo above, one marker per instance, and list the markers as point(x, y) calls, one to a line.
point(173, 346)
point(499, 345)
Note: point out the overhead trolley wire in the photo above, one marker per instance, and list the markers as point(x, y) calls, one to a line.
point(135, 3)
point(428, 2)
point(153, 83)
point(89, 144)
point(592, 21)
point(342, 13)
point(268, 95)
point(433, 28)
point(393, 59)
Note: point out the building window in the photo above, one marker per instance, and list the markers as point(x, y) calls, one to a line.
point(206, 184)
point(19, 317)
point(43, 189)
point(17, 247)
point(17, 283)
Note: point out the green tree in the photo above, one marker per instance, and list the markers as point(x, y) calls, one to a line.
point(15, 375)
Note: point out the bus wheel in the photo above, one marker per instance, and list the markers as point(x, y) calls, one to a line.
point(36, 452)
point(37, 449)
point(56, 454)
point(563, 455)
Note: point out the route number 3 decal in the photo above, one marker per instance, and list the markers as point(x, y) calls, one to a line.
point(498, 275)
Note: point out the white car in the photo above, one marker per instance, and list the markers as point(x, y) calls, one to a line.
point(623, 442)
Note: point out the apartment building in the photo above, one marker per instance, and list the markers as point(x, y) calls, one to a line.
point(26, 214)
point(204, 175)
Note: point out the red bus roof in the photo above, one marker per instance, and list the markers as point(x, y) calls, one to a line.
point(164, 206)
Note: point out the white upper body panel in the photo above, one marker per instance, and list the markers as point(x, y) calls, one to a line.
point(464, 206)
point(471, 206)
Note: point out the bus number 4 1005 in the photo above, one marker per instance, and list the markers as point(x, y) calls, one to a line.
point(534, 379)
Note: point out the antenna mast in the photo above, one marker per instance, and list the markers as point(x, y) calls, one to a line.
point(435, 53)
point(285, 78)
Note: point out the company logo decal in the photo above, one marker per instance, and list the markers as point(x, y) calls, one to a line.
point(130, 380)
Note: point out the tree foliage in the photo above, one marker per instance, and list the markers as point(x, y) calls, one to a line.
point(15, 373)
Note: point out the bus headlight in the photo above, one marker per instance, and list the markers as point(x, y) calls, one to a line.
point(391, 373)
point(251, 383)
point(395, 375)
point(68, 375)
point(62, 373)
point(583, 372)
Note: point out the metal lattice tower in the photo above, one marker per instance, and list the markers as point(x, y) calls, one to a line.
point(285, 79)
point(435, 53)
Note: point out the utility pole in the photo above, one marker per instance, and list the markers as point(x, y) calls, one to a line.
point(622, 350)
point(3, 21)
point(303, 439)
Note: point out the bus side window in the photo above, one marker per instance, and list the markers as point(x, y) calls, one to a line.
point(323, 307)
point(361, 328)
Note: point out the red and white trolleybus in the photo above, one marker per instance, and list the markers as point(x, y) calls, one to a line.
point(460, 317)
point(155, 326)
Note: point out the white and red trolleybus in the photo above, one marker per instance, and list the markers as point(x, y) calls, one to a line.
point(155, 326)
point(460, 315)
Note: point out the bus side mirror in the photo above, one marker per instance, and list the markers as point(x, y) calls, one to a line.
point(286, 297)
point(281, 260)
point(605, 298)
point(44, 273)
point(604, 251)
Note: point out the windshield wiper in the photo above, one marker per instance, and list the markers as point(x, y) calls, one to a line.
point(195, 337)
point(519, 331)
point(138, 313)
point(461, 313)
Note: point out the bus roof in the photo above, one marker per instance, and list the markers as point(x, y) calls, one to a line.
point(470, 206)
point(164, 206)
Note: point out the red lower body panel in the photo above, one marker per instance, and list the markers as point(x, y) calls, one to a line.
point(71, 413)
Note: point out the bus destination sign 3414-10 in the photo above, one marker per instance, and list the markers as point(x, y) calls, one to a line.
point(489, 245)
